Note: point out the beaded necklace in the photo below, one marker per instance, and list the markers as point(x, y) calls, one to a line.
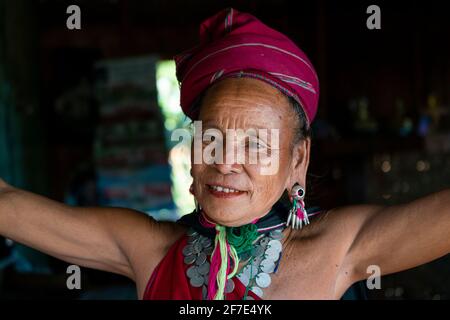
point(263, 254)
point(214, 252)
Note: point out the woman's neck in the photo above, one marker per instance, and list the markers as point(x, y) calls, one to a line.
point(211, 221)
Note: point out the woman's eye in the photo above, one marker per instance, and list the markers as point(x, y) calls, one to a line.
point(208, 138)
point(257, 145)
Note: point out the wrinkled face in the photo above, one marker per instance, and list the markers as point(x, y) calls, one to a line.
point(244, 103)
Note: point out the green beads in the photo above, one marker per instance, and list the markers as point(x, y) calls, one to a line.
point(242, 238)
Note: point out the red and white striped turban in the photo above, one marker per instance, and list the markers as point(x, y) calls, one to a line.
point(234, 44)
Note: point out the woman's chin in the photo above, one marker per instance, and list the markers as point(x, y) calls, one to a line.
point(229, 217)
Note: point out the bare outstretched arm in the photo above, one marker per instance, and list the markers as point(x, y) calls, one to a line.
point(396, 238)
point(109, 239)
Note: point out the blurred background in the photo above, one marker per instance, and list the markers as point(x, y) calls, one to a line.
point(86, 116)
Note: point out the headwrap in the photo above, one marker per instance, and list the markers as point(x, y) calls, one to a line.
point(236, 44)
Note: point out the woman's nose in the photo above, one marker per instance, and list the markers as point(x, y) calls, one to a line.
point(227, 168)
point(229, 163)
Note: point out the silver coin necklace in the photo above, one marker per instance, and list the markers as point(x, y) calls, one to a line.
point(263, 260)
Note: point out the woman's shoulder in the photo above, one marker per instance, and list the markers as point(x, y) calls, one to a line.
point(325, 223)
point(349, 217)
point(170, 231)
point(144, 227)
point(338, 224)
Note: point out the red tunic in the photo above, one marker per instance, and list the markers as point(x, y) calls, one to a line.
point(170, 282)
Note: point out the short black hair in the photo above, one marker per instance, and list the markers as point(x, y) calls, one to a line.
point(302, 130)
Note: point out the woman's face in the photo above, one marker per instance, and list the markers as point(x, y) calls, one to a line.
point(244, 103)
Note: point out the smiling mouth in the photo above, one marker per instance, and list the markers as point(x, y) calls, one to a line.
point(224, 192)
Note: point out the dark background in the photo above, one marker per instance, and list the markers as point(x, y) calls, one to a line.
point(382, 134)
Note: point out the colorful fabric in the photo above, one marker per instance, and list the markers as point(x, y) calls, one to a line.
point(169, 280)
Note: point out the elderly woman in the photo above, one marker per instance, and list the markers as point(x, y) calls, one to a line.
point(251, 236)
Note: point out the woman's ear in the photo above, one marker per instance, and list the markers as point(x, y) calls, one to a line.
point(299, 164)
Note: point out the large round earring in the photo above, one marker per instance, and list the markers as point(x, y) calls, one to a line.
point(298, 217)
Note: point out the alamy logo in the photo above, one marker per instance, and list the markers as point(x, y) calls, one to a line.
point(374, 280)
point(74, 280)
point(251, 146)
point(74, 20)
point(374, 20)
